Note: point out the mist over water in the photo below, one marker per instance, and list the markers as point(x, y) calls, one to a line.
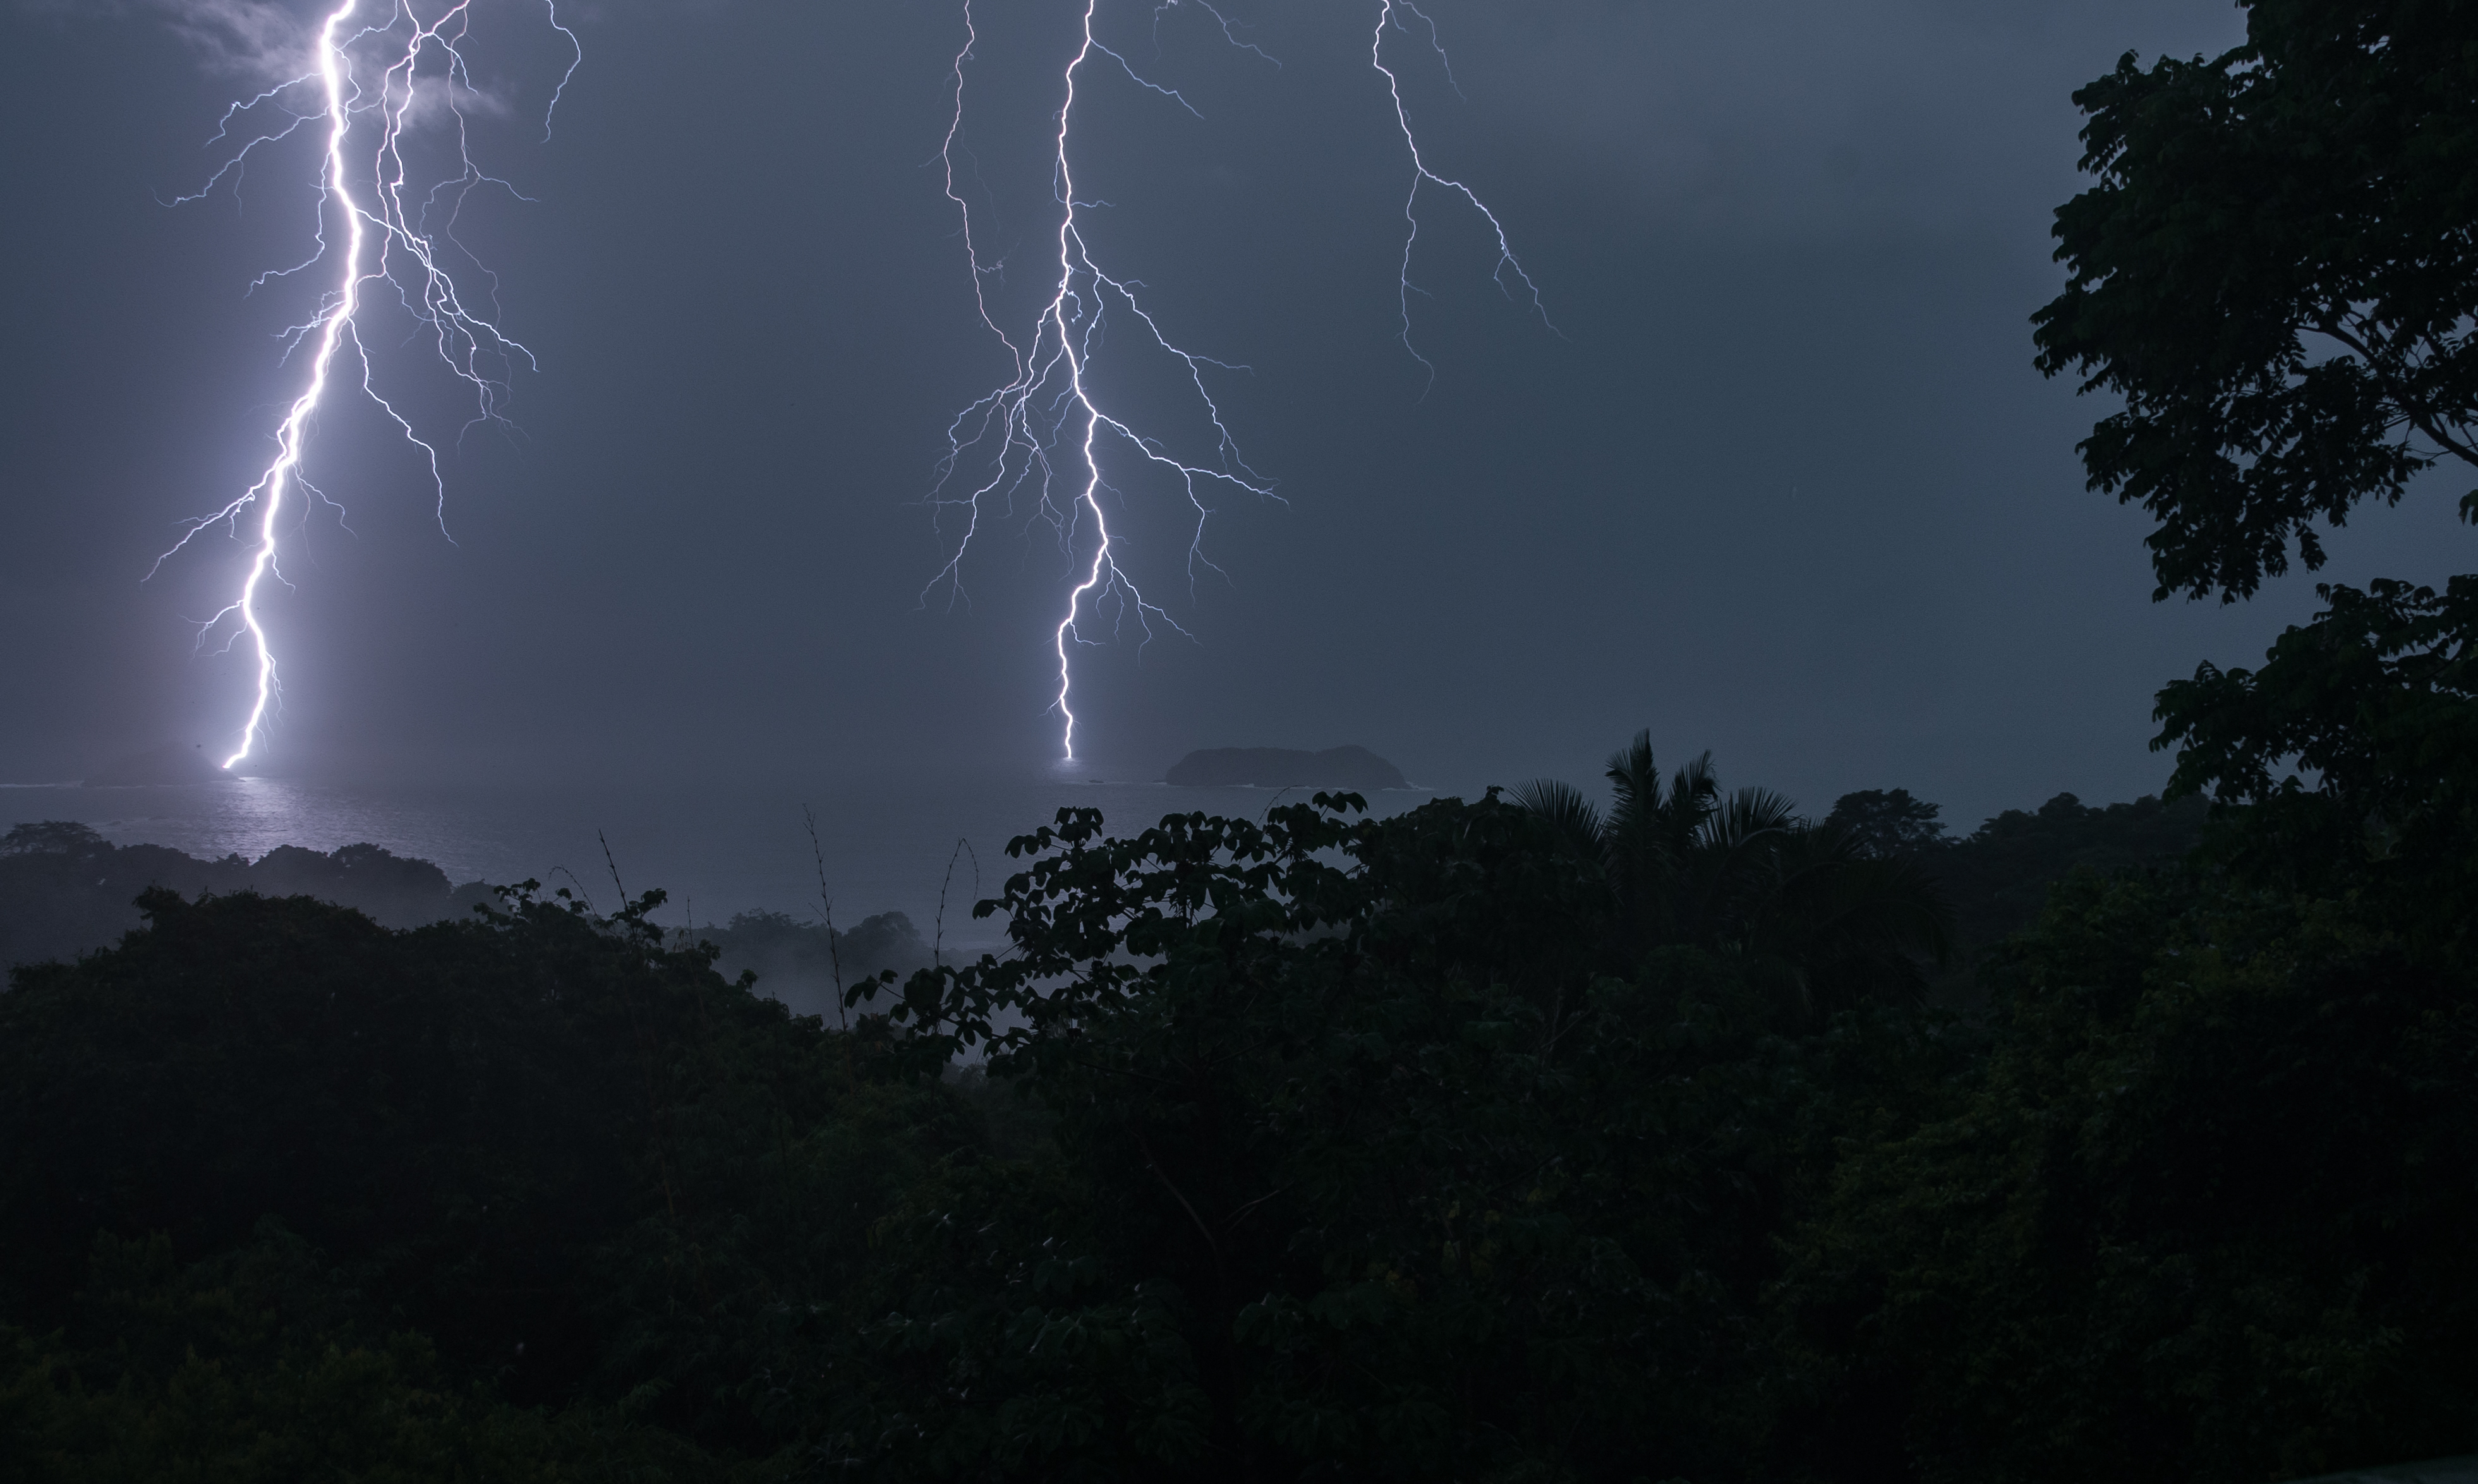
point(718, 847)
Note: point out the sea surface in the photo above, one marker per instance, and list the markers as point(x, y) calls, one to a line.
point(717, 847)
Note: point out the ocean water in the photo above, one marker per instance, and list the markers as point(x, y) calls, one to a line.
point(716, 846)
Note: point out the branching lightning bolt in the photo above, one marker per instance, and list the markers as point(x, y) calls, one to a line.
point(1050, 402)
point(1045, 429)
point(1421, 175)
point(386, 208)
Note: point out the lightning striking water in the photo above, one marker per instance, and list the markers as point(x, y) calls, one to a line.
point(1047, 427)
point(412, 71)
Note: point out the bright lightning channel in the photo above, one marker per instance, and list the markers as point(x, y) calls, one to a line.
point(397, 216)
point(1045, 428)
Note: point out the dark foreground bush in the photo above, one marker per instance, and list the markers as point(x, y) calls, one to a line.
point(2202, 1213)
point(578, 1168)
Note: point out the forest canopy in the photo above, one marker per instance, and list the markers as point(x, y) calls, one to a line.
point(1453, 1145)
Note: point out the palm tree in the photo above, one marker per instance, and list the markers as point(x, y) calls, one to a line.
point(1747, 877)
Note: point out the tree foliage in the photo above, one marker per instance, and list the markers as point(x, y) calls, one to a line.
point(1999, 876)
point(1369, 1161)
point(1313, 1146)
point(2189, 1220)
point(2378, 699)
point(580, 1165)
point(1744, 874)
point(256, 1366)
point(1883, 823)
point(1816, 913)
point(2277, 270)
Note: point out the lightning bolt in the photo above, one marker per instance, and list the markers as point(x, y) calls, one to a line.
point(1389, 17)
point(1045, 430)
point(382, 207)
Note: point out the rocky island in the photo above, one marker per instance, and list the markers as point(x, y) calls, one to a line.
point(1285, 768)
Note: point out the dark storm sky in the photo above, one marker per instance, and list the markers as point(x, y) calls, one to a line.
point(1786, 488)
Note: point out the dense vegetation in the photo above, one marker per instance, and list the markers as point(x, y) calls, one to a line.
point(1461, 1145)
point(1509, 1139)
point(1995, 879)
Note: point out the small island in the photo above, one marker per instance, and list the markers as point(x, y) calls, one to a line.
point(1285, 768)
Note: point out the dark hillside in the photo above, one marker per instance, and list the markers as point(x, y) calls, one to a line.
point(64, 889)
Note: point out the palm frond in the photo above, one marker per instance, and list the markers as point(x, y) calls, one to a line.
point(1563, 805)
point(1748, 815)
point(1699, 781)
point(1693, 791)
point(1635, 784)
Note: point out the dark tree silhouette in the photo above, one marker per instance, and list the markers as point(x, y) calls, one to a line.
point(1885, 823)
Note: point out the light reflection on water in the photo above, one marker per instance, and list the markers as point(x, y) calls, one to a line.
point(717, 849)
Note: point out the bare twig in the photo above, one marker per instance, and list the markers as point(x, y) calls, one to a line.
point(581, 891)
point(615, 869)
point(2420, 414)
point(1250, 1209)
point(1153, 1164)
point(938, 930)
point(834, 951)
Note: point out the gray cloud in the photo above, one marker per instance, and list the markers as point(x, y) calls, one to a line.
point(1749, 120)
point(260, 41)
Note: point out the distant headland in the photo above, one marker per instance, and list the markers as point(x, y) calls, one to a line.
point(1285, 768)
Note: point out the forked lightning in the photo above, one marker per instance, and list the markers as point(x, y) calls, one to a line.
point(376, 68)
point(1047, 429)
